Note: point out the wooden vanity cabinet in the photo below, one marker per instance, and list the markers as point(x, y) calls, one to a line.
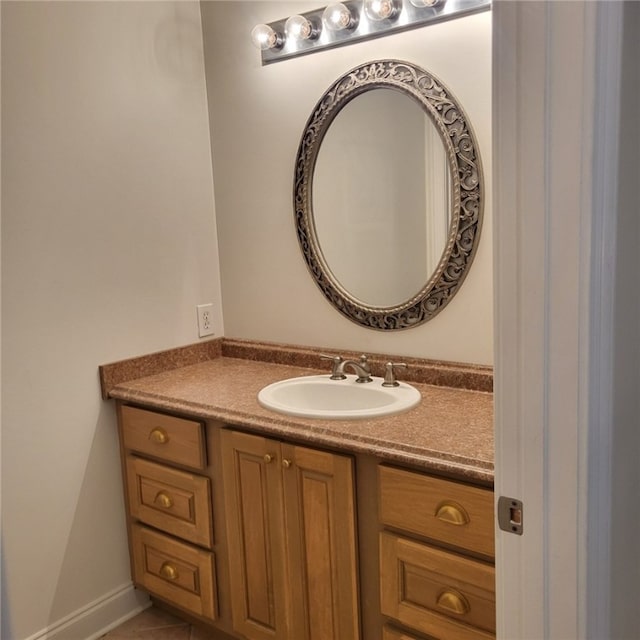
point(291, 535)
point(256, 537)
point(168, 496)
point(436, 557)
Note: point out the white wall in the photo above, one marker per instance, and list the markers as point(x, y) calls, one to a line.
point(257, 116)
point(108, 243)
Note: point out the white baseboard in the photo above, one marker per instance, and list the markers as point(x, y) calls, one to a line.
point(98, 617)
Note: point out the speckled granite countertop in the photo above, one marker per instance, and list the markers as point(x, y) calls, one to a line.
point(449, 432)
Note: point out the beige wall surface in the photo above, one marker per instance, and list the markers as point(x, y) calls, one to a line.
point(257, 116)
point(108, 244)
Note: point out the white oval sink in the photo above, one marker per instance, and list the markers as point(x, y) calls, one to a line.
point(321, 397)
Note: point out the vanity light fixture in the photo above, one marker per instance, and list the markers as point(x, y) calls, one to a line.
point(352, 21)
point(338, 17)
point(265, 37)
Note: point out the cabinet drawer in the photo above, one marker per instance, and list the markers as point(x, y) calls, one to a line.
point(177, 502)
point(174, 571)
point(389, 633)
point(436, 592)
point(442, 510)
point(165, 437)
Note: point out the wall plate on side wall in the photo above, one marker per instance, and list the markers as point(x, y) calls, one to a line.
point(205, 319)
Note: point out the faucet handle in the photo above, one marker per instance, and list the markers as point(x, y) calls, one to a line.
point(389, 373)
point(336, 374)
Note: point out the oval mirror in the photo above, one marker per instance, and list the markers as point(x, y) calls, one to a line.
point(388, 195)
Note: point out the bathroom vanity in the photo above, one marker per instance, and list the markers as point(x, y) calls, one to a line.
point(260, 525)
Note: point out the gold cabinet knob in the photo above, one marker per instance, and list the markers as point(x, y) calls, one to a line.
point(159, 436)
point(163, 499)
point(453, 602)
point(452, 513)
point(169, 571)
point(268, 458)
point(286, 463)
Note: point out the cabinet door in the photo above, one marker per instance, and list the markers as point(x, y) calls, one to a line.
point(319, 506)
point(254, 513)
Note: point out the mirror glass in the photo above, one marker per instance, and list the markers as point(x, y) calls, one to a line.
point(381, 197)
point(388, 195)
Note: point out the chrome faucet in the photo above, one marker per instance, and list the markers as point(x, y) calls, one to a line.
point(390, 374)
point(361, 369)
point(336, 361)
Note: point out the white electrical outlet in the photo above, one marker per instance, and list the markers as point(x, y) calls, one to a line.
point(205, 320)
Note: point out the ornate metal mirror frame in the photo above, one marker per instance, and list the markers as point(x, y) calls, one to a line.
point(467, 198)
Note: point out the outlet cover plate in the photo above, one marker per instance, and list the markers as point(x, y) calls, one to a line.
point(205, 319)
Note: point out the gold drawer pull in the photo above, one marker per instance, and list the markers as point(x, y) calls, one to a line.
point(454, 602)
point(163, 499)
point(168, 571)
point(452, 513)
point(286, 463)
point(159, 436)
point(268, 458)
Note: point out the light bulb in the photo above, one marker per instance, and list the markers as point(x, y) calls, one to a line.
point(380, 9)
point(427, 3)
point(337, 17)
point(299, 28)
point(265, 37)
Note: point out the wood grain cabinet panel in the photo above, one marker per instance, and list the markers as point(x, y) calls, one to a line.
point(320, 514)
point(435, 591)
point(176, 572)
point(445, 511)
point(255, 531)
point(172, 500)
point(292, 547)
point(390, 633)
point(165, 437)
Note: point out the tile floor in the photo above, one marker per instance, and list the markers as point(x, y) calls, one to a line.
point(155, 624)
